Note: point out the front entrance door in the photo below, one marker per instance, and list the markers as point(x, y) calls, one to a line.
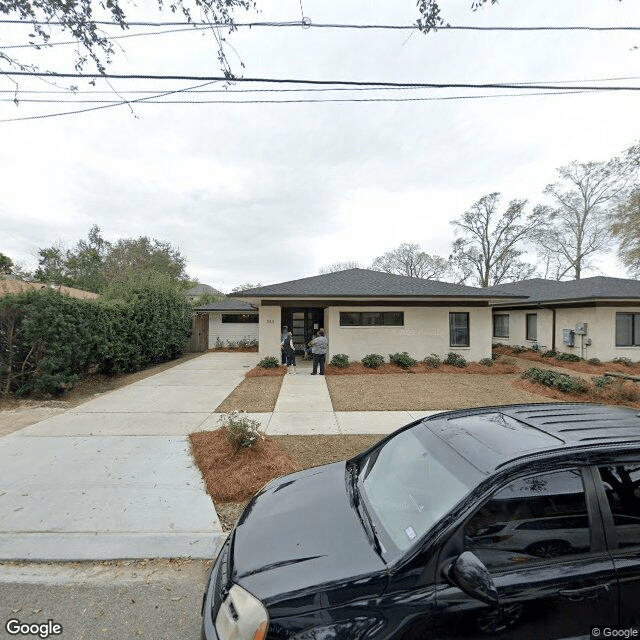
point(303, 323)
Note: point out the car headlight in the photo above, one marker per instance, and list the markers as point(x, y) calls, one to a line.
point(241, 617)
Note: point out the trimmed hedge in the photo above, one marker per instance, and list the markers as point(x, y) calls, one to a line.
point(49, 340)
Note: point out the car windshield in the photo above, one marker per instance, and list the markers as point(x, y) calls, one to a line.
point(411, 481)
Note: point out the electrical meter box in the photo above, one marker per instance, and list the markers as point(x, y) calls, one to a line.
point(581, 329)
point(567, 337)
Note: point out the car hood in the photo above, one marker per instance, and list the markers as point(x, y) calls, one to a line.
point(299, 532)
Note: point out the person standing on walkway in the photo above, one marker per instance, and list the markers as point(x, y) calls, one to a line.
point(283, 338)
point(319, 347)
point(289, 351)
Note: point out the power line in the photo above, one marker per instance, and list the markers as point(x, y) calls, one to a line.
point(308, 24)
point(227, 91)
point(153, 100)
point(349, 83)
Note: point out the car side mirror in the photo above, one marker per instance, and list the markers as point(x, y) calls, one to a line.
point(468, 573)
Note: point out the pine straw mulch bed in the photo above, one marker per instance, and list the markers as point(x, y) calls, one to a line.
point(582, 366)
point(233, 478)
point(357, 369)
point(623, 393)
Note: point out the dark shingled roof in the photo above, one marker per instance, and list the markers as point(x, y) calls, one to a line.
point(229, 304)
point(597, 288)
point(200, 289)
point(361, 283)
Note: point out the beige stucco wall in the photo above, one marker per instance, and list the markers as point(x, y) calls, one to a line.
point(229, 330)
point(269, 327)
point(601, 329)
point(425, 331)
point(518, 328)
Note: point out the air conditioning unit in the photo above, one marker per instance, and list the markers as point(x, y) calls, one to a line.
point(581, 329)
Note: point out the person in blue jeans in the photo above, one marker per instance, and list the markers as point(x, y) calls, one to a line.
point(319, 347)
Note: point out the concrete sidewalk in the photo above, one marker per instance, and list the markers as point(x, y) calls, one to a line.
point(114, 477)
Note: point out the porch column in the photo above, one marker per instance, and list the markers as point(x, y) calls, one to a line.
point(269, 331)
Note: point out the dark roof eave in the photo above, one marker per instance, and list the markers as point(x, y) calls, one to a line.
point(551, 302)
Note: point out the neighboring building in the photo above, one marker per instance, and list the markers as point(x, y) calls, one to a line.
point(593, 317)
point(365, 311)
point(14, 285)
point(227, 320)
point(201, 289)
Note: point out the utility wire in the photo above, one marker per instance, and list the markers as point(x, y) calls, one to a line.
point(349, 83)
point(308, 24)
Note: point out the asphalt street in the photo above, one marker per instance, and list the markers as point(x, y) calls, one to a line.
point(119, 600)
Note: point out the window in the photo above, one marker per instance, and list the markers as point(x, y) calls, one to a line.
point(532, 326)
point(239, 317)
point(622, 486)
point(371, 318)
point(627, 329)
point(459, 329)
point(501, 325)
point(542, 516)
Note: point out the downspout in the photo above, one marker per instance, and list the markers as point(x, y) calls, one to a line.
point(553, 328)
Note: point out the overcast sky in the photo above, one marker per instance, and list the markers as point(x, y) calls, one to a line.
point(267, 192)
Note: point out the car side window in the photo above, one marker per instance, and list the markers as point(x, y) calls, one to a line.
point(540, 516)
point(622, 487)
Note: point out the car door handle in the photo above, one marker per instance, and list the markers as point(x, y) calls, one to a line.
point(585, 593)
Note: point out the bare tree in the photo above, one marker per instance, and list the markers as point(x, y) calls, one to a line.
point(245, 286)
point(340, 266)
point(577, 227)
point(626, 228)
point(488, 246)
point(410, 260)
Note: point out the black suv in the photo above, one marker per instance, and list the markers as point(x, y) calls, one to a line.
point(517, 521)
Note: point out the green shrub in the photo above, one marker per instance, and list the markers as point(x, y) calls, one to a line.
point(625, 361)
point(433, 360)
point(594, 361)
point(549, 353)
point(372, 361)
point(455, 360)
point(568, 357)
point(602, 382)
point(403, 359)
point(560, 381)
point(48, 341)
point(242, 432)
point(269, 363)
point(487, 362)
point(340, 360)
point(518, 348)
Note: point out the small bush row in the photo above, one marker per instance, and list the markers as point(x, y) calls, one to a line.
point(555, 380)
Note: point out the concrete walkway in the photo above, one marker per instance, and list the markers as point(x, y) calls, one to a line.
point(304, 408)
point(114, 477)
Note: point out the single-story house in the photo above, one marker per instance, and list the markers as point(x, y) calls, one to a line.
point(227, 320)
point(593, 317)
point(364, 311)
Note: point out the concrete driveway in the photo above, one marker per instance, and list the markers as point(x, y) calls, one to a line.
point(113, 477)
